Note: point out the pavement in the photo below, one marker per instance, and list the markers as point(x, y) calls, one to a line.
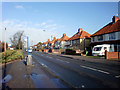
point(18, 75)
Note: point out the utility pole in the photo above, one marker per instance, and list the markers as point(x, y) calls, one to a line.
point(5, 41)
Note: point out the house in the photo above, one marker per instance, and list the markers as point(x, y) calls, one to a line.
point(109, 34)
point(80, 40)
point(60, 43)
point(52, 43)
point(47, 44)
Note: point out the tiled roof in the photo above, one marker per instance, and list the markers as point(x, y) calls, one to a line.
point(47, 42)
point(53, 41)
point(109, 28)
point(63, 38)
point(80, 34)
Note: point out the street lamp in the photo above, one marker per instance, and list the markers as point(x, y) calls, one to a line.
point(5, 41)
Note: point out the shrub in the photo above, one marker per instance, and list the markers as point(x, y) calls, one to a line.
point(11, 55)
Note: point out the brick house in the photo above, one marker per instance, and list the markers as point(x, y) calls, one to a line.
point(80, 40)
point(46, 44)
point(52, 43)
point(60, 43)
point(109, 34)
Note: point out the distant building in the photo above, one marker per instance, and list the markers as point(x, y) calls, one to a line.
point(60, 43)
point(109, 34)
point(80, 40)
point(46, 44)
point(52, 43)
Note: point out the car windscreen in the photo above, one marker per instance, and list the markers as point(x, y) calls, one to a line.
point(97, 48)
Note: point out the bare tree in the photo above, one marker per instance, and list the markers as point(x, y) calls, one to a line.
point(18, 39)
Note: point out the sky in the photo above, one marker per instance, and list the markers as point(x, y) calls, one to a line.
point(41, 20)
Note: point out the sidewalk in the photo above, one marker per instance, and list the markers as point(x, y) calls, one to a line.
point(87, 58)
point(17, 70)
point(35, 76)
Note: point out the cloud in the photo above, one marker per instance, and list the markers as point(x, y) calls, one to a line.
point(41, 24)
point(52, 25)
point(35, 34)
point(19, 7)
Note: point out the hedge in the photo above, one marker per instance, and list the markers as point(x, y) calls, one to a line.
point(11, 55)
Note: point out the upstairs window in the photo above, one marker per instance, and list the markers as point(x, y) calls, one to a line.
point(100, 38)
point(74, 41)
point(112, 36)
point(93, 39)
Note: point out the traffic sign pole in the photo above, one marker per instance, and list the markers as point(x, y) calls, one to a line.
point(27, 45)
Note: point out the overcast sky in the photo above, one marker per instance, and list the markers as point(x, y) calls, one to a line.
point(55, 18)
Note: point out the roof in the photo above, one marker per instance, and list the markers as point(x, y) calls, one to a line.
point(47, 42)
point(53, 41)
point(80, 34)
point(109, 28)
point(63, 38)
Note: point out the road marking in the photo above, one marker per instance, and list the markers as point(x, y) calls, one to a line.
point(117, 76)
point(95, 69)
point(62, 60)
point(48, 56)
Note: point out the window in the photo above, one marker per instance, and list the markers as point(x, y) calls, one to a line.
point(112, 36)
point(118, 35)
point(97, 48)
point(93, 39)
point(100, 38)
point(74, 41)
point(106, 37)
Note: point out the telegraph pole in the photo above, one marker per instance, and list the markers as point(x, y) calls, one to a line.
point(5, 41)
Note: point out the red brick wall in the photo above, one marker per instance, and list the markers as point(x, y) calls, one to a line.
point(112, 55)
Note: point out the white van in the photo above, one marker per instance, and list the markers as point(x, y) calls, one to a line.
point(99, 50)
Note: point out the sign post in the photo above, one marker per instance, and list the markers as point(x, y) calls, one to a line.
point(27, 45)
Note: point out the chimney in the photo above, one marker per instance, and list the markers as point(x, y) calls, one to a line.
point(80, 30)
point(64, 34)
point(115, 19)
point(48, 39)
point(54, 38)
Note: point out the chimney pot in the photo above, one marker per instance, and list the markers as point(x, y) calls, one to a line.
point(64, 35)
point(80, 29)
point(115, 19)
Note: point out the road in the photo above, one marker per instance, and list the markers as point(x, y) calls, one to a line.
point(81, 73)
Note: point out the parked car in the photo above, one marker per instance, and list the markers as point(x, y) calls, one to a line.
point(30, 50)
point(99, 50)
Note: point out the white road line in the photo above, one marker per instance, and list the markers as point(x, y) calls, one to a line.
point(95, 69)
point(117, 76)
point(67, 62)
point(62, 60)
point(48, 56)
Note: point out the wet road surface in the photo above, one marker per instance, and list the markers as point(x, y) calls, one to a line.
point(80, 73)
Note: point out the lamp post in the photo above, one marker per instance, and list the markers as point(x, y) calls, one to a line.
point(5, 42)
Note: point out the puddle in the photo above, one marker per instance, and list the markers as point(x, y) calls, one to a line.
point(42, 81)
point(59, 83)
point(6, 78)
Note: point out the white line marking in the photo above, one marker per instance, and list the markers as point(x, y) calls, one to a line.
point(95, 69)
point(48, 56)
point(117, 76)
point(62, 60)
point(67, 62)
